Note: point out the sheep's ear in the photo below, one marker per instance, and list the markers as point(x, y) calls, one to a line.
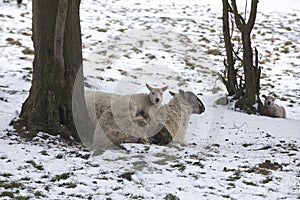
point(181, 92)
point(172, 93)
point(149, 87)
point(164, 88)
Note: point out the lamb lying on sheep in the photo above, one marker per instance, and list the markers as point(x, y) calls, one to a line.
point(169, 124)
point(145, 105)
point(272, 109)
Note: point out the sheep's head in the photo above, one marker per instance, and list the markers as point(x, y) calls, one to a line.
point(269, 100)
point(156, 94)
point(192, 100)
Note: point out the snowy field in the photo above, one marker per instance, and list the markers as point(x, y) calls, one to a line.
point(227, 155)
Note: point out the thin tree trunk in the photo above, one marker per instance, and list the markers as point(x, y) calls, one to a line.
point(250, 82)
point(230, 83)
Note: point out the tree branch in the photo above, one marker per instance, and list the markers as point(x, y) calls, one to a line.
point(240, 22)
point(252, 17)
point(59, 34)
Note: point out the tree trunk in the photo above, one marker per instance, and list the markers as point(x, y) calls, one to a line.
point(250, 81)
point(231, 82)
point(58, 57)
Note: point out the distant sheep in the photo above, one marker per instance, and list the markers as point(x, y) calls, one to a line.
point(272, 109)
point(169, 124)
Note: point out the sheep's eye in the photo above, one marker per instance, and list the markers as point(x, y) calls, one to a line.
point(152, 92)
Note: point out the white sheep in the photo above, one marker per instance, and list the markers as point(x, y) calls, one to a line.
point(169, 124)
point(126, 109)
point(97, 102)
point(272, 109)
point(139, 104)
point(178, 112)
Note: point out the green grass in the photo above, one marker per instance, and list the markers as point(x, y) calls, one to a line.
point(39, 167)
point(63, 176)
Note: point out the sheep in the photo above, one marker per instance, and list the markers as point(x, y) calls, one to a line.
point(97, 102)
point(137, 106)
point(272, 109)
point(178, 112)
point(143, 105)
point(169, 124)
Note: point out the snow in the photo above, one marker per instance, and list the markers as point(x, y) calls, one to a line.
point(227, 155)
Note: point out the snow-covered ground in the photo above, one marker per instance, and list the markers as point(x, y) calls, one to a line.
point(227, 155)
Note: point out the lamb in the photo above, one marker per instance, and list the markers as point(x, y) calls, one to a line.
point(272, 109)
point(169, 124)
point(146, 105)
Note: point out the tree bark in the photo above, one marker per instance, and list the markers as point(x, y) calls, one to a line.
point(58, 57)
point(251, 72)
point(231, 82)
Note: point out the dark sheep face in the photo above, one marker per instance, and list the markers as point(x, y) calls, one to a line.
point(197, 105)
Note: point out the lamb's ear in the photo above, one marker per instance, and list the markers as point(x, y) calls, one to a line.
point(164, 88)
point(149, 87)
point(172, 93)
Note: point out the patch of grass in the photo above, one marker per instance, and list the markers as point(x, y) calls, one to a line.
point(235, 176)
point(139, 165)
point(102, 30)
point(28, 51)
point(127, 176)
point(39, 194)
point(171, 197)
point(264, 148)
point(258, 170)
point(59, 156)
point(226, 196)
point(22, 198)
point(7, 194)
point(39, 167)
point(44, 176)
point(44, 153)
point(10, 185)
point(214, 52)
point(267, 180)
point(68, 185)
point(6, 175)
point(247, 144)
point(269, 165)
point(180, 166)
point(13, 42)
point(27, 68)
point(116, 188)
point(63, 176)
point(25, 179)
point(249, 183)
point(285, 50)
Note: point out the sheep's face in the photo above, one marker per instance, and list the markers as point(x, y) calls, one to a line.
point(192, 100)
point(269, 101)
point(156, 94)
